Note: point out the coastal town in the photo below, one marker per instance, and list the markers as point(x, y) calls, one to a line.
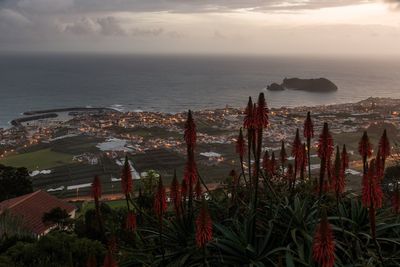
point(64, 150)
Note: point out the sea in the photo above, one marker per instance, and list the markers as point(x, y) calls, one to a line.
point(174, 83)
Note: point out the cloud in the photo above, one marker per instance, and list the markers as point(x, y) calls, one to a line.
point(146, 32)
point(175, 35)
point(393, 3)
point(82, 27)
point(174, 6)
point(110, 26)
point(10, 17)
point(189, 23)
point(218, 35)
point(44, 6)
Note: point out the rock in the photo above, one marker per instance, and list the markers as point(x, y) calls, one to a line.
point(275, 87)
point(311, 85)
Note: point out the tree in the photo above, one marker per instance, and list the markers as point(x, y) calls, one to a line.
point(12, 226)
point(391, 178)
point(58, 217)
point(14, 182)
point(150, 182)
point(55, 249)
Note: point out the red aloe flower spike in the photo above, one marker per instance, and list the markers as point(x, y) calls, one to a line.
point(160, 200)
point(338, 178)
point(255, 108)
point(372, 195)
point(261, 117)
point(384, 150)
point(109, 260)
point(364, 146)
point(325, 150)
point(308, 127)
point(248, 122)
point(130, 223)
point(126, 178)
point(96, 188)
point(296, 153)
point(372, 192)
point(255, 133)
point(379, 165)
point(344, 165)
point(365, 150)
point(384, 146)
point(396, 200)
point(96, 193)
point(198, 190)
point(283, 155)
point(324, 244)
point(240, 145)
point(190, 130)
point(204, 231)
point(308, 134)
point(303, 161)
point(175, 194)
point(241, 149)
point(91, 261)
point(325, 143)
point(266, 162)
point(296, 146)
point(190, 173)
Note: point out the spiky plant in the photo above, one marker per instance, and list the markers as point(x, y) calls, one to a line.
point(96, 194)
point(324, 243)
point(308, 134)
point(283, 156)
point(297, 150)
point(365, 150)
point(384, 148)
point(325, 150)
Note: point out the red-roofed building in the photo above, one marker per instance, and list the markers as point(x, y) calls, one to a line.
point(31, 207)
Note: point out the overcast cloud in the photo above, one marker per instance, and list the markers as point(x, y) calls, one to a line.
point(151, 26)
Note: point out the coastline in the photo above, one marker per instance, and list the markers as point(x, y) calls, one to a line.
point(52, 113)
point(36, 112)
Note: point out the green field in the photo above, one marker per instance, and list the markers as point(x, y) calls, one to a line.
point(112, 203)
point(41, 159)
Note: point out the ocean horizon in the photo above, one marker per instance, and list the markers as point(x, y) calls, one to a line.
point(177, 83)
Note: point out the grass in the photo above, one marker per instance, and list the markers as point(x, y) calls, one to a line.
point(114, 204)
point(41, 159)
point(77, 145)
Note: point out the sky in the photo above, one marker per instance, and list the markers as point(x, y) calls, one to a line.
point(201, 26)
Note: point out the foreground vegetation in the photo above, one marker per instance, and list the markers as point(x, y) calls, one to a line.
point(268, 212)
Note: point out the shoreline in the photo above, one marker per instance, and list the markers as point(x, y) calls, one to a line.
point(52, 113)
point(36, 112)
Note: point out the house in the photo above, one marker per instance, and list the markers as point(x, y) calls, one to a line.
point(31, 207)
